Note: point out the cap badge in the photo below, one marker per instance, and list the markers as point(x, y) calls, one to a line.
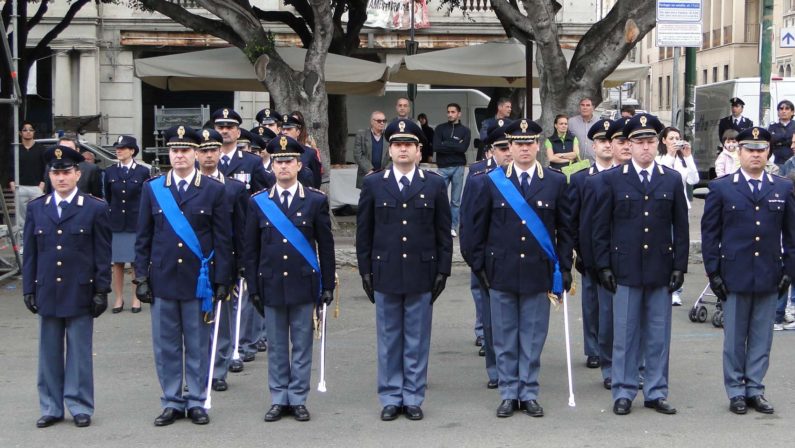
point(181, 131)
point(121, 138)
point(607, 125)
point(261, 130)
point(402, 125)
point(284, 118)
point(755, 133)
point(643, 121)
point(58, 153)
point(523, 126)
point(226, 113)
point(206, 135)
point(283, 143)
point(267, 112)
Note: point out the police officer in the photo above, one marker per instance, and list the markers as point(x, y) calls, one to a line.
point(640, 245)
point(240, 165)
point(736, 120)
point(404, 250)
point(123, 184)
point(270, 119)
point(66, 281)
point(290, 268)
point(497, 153)
point(208, 154)
point(312, 171)
point(749, 217)
point(582, 216)
point(507, 238)
point(183, 260)
point(266, 135)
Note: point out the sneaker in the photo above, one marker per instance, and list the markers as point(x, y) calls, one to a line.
point(676, 300)
point(789, 326)
point(789, 317)
point(778, 327)
point(453, 232)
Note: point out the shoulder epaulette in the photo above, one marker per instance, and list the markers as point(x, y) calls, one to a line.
point(213, 178)
point(95, 198)
point(376, 171)
point(431, 172)
point(155, 177)
point(264, 190)
point(39, 198)
point(316, 190)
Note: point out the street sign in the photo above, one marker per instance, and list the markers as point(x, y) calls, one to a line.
point(679, 34)
point(679, 11)
point(787, 38)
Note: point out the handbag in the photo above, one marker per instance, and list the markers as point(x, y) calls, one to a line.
point(574, 167)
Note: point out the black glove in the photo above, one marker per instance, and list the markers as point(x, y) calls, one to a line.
point(257, 303)
point(718, 287)
point(142, 290)
point(367, 285)
point(30, 302)
point(438, 286)
point(607, 280)
point(221, 292)
point(483, 279)
point(677, 280)
point(327, 296)
point(99, 303)
point(783, 284)
point(567, 280)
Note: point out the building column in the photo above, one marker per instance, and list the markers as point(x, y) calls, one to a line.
point(62, 83)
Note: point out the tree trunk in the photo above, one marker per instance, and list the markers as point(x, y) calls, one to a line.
point(338, 128)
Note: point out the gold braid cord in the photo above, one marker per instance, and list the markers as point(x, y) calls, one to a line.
point(316, 318)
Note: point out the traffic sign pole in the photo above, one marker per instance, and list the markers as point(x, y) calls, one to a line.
point(765, 62)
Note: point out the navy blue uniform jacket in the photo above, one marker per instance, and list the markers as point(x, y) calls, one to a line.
point(466, 199)
point(248, 168)
point(237, 202)
point(123, 193)
point(163, 257)
point(274, 268)
point(741, 239)
point(502, 245)
point(641, 236)
point(404, 243)
point(583, 194)
point(67, 259)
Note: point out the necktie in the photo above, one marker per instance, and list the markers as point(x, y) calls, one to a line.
point(125, 171)
point(182, 186)
point(405, 182)
point(755, 184)
point(285, 200)
point(645, 181)
point(525, 184)
point(224, 161)
point(62, 207)
point(736, 121)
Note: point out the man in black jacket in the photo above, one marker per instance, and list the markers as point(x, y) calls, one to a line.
point(450, 143)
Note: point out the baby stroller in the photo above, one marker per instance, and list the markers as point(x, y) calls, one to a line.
point(700, 313)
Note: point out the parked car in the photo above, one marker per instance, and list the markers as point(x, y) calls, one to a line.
point(104, 156)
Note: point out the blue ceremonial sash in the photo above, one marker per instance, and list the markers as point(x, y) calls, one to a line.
point(533, 223)
point(290, 233)
point(184, 231)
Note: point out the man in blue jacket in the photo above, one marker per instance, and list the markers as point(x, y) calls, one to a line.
point(450, 143)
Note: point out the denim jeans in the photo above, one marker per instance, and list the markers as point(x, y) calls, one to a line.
point(454, 175)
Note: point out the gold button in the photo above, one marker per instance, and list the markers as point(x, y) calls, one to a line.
point(378, 257)
point(285, 273)
point(645, 213)
point(404, 255)
point(757, 238)
point(756, 254)
point(646, 230)
point(405, 205)
point(179, 244)
point(384, 204)
point(645, 246)
point(60, 231)
point(58, 263)
point(523, 238)
point(160, 211)
point(757, 208)
point(758, 223)
point(521, 255)
point(124, 191)
point(524, 222)
point(123, 201)
point(285, 257)
point(58, 247)
point(58, 279)
point(179, 260)
point(405, 222)
point(201, 211)
point(502, 204)
point(284, 240)
point(123, 211)
point(646, 198)
point(405, 239)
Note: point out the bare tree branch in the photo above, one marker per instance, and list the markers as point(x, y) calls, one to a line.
point(43, 6)
point(195, 22)
point(295, 23)
point(304, 10)
point(41, 48)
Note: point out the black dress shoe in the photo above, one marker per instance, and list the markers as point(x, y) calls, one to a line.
point(622, 406)
point(198, 416)
point(737, 405)
point(248, 357)
point(236, 366)
point(492, 384)
point(300, 413)
point(413, 412)
point(660, 405)
point(169, 416)
point(592, 362)
point(117, 309)
point(532, 408)
point(482, 351)
point(760, 404)
point(135, 309)
point(219, 385)
point(389, 413)
point(608, 383)
point(506, 408)
point(479, 341)
point(47, 420)
point(275, 413)
point(82, 420)
point(262, 345)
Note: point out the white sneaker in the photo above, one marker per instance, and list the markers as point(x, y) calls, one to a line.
point(778, 327)
point(789, 318)
point(789, 326)
point(453, 232)
point(676, 300)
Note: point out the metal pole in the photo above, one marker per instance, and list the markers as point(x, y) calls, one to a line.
point(690, 94)
point(529, 80)
point(675, 88)
point(411, 49)
point(765, 62)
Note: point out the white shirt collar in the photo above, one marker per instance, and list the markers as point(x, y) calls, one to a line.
point(187, 179)
point(57, 197)
point(292, 191)
point(128, 165)
point(410, 174)
point(529, 171)
point(638, 169)
point(231, 154)
point(600, 168)
point(749, 177)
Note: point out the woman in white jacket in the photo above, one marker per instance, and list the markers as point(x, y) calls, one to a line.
point(676, 153)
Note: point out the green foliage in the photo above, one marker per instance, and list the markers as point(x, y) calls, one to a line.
point(256, 49)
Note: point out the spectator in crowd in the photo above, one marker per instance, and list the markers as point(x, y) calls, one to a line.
point(90, 181)
point(369, 151)
point(403, 108)
point(451, 141)
point(503, 111)
point(781, 133)
point(579, 126)
point(562, 146)
point(627, 111)
point(728, 160)
point(31, 171)
point(427, 150)
point(789, 165)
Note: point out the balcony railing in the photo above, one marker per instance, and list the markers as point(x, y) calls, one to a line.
point(716, 38)
point(727, 35)
point(706, 38)
point(476, 5)
point(751, 33)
